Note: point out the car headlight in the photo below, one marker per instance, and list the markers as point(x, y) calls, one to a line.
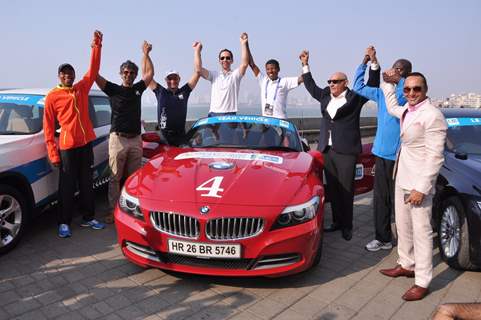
point(297, 214)
point(130, 205)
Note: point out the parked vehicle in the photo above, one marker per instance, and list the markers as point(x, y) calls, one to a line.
point(243, 197)
point(457, 203)
point(28, 182)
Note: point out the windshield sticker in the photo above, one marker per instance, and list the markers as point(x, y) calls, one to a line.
point(246, 119)
point(461, 122)
point(230, 156)
point(20, 99)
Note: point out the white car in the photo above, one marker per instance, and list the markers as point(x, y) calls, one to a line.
point(28, 182)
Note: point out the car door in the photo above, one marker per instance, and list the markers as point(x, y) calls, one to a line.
point(100, 113)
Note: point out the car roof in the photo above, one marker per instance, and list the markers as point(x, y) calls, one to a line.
point(461, 112)
point(42, 91)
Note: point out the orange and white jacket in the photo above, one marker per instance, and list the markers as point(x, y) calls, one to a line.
point(70, 107)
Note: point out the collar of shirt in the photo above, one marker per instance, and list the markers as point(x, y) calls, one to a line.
point(417, 106)
point(225, 73)
point(341, 96)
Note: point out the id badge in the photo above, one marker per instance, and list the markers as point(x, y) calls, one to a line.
point(268, 109)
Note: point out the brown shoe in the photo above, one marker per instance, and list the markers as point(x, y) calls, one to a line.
point(415, 293)
point(109, 218)
point(397, 271)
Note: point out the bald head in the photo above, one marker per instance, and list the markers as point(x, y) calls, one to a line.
point(337, 83)
point(403, 66)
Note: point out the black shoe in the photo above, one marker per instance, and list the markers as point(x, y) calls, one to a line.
point(333, 227)
point(347, 234)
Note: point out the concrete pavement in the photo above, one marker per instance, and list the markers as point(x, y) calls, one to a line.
point(86, 277)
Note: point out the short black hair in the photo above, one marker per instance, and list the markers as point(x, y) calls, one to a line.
point(227, 50)
point(129, 65)
point(274, 62)
point(420, 75)
point(407, 65)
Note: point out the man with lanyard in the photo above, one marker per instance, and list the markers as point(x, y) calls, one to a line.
point(172, 102)
point(386, 145)
point(125, 143)
point(274, 90)
point(226, 83)
point(68, 104)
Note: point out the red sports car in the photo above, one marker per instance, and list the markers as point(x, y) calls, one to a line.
point(242, 197)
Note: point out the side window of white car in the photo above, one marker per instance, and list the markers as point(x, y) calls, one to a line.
point(101, 112)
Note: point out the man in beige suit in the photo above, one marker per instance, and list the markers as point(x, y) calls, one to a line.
point(423, 134)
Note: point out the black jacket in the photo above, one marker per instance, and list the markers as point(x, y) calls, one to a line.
point(345, 131)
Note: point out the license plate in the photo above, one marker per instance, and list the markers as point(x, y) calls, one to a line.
point(205, 250)
point(359, 172)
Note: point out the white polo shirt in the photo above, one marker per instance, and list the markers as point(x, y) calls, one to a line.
point(224, 96)
point(274, 103)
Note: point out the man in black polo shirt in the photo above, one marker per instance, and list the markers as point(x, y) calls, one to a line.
point(125, 143)
point(172, 102)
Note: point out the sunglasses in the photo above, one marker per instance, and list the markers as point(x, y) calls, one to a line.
point(126, 72)
point(228, 58)
point(416, 89)
point(336, 81)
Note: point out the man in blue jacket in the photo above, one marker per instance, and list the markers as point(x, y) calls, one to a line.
point(386, 145)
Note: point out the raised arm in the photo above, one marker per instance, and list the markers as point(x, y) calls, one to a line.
point(204, 73)
point(392, 104)
point(252, 64)
point(93, 71)
point(101, 82)
point(147, 65)
point(244, 40)
point(309, 82)
point(367, 91)
point(197, 66)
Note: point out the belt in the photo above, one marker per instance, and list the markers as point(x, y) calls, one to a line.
point(125, 134)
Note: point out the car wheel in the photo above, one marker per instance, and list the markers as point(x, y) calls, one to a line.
point(13, 214)
point(453, 236)
point(317, 257)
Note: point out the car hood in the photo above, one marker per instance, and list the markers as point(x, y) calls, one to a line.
point(227, 176)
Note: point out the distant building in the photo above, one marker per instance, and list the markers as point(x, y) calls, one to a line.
point(464, 100)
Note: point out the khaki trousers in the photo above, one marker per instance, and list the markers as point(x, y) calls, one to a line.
point(125, 156)
point(415, 236)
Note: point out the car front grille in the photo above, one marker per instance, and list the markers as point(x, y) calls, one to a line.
point(240, 264)
point(233, 228)
point(175, 224)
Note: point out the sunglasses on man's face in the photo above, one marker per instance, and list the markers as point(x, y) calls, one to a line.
point(228, 58)
point(416, 89)
point(335, 81)
point(127, 72)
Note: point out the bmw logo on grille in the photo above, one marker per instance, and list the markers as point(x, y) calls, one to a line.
point(204, 210)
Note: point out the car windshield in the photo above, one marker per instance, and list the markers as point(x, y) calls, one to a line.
point(464, 135)
point(244, 132)
point(20, 114)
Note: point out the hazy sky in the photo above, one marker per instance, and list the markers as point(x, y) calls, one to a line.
point(442, 38)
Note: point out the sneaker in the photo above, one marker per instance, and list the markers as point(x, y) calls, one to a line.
point(94, 224)
point(376, 245)
point(64, 231)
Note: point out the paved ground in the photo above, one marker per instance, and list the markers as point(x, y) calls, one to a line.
point(86, 277)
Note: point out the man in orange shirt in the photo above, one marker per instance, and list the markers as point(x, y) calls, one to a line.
point(68, 105)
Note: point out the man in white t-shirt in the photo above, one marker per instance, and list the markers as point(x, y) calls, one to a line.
point(274, 90)
point(226, 82)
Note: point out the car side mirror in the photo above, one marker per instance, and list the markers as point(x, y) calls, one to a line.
point(151, 137)
point(461, 156)
point(318, 157)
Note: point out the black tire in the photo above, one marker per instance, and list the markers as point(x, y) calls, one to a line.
point(317, 257)
point(453, 235)
point(9, 197)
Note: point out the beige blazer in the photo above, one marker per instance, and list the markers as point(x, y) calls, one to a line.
point(420, 156)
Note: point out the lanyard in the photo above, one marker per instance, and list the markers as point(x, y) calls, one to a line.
point(275, 92)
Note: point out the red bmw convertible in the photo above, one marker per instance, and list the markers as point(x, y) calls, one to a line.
point(242, 197)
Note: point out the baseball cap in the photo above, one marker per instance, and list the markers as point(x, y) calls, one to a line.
point(171, 72)
point(64, 66)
